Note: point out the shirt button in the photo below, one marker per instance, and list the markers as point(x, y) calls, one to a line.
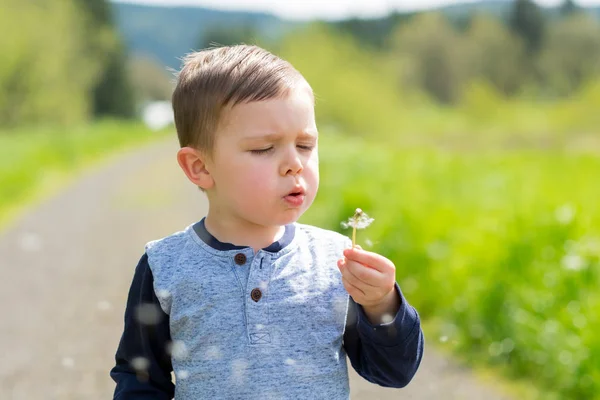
point(240, 259)
point(256, 294)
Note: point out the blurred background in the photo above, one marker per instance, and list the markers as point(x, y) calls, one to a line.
point(468, 130)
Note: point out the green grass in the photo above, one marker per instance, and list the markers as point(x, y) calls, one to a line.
point(499, 250)
point(36, 162)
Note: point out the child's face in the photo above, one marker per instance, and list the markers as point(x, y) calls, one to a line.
point(265, 162)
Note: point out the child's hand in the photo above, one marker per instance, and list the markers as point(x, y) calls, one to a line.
point(370, 278)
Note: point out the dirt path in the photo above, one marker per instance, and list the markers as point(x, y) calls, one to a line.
point(66, 268)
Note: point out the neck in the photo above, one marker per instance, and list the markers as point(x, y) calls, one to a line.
point(242, 233)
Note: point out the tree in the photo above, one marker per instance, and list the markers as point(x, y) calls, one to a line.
point(150, 79)
point(354, 86)
point(568, 8)
point(45, 72)
point(432, 56)
point(527, 21)
point(228, 35)
point(495, 54)
point(571, 54)
point(112, 92)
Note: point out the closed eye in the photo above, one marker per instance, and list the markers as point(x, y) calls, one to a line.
point(306, 148)
point(261, 151)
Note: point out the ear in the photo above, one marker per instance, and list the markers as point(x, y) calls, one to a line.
point(193, 164)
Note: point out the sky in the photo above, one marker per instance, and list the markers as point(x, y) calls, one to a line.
point(327, 9)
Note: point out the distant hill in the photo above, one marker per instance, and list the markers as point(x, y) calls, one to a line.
point(168, 33)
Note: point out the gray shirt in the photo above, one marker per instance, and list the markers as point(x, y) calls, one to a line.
point(272, 323)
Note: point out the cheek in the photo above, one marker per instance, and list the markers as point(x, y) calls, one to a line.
point(313, 169)
point(255, 177)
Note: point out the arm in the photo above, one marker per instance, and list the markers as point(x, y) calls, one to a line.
point(387, 354)
point(145, 340)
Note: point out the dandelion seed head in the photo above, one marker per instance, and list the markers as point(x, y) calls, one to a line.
point(360, 220)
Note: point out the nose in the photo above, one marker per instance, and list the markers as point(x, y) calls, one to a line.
point(292, 163)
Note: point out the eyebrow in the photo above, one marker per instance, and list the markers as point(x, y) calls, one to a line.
point(276, 136)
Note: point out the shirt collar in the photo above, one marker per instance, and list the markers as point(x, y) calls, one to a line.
point(210, 240)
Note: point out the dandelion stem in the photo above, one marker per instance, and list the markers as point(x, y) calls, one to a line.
point(353, 236)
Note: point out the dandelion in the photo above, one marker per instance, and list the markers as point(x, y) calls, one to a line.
point(360, 220)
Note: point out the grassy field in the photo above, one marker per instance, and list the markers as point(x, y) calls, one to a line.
point(499, 249)
point(36, 162)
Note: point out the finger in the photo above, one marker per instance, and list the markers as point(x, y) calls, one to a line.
point(360, 275)
point(370, 259)
point(352, 290)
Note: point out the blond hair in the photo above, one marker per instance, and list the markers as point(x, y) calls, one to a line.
point(214, 79)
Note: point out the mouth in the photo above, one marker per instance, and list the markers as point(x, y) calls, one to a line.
point(296, 196)
point(296, 192)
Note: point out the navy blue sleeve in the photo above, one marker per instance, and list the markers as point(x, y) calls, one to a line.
point(143, 365)
point(388, 354)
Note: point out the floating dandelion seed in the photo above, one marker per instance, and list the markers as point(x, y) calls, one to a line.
point(238, 371)
point(104, 305)
point(565, 214)
point(178, 350)
point(68, 362)
point(148, 314)
point(140, 363)
point(360, 220)
point(573, 262)
point(213, 353)
point(183, 374)
point(387, 318)
point(31, 242)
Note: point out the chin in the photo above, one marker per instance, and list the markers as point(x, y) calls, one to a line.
point(290, 218)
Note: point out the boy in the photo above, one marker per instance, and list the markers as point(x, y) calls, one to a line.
point(246, 302)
